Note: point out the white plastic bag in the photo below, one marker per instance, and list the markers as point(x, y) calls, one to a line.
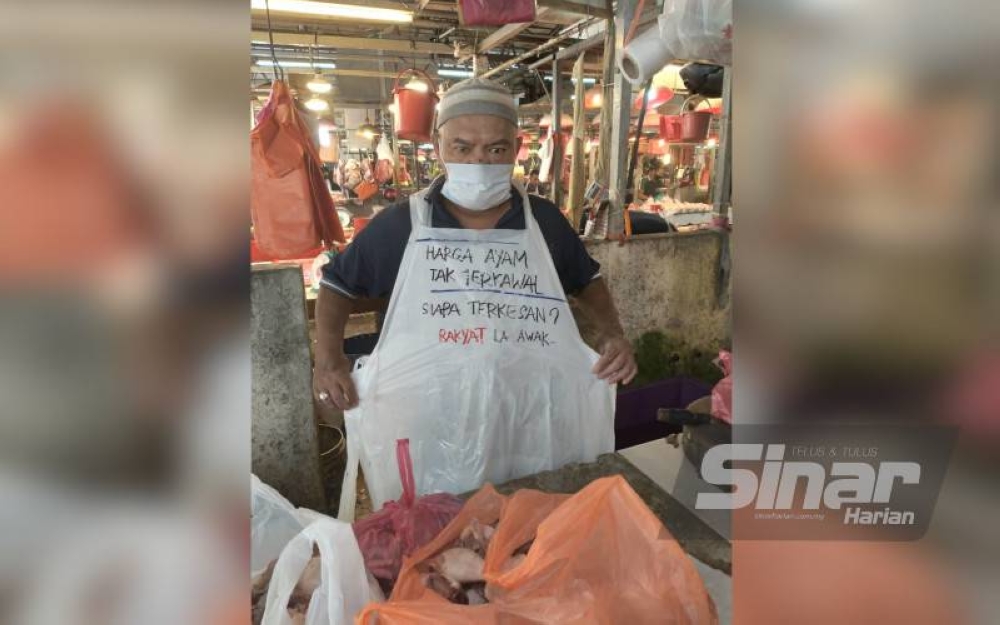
point(687, 30)
point(699, 30)
point(344, 586)
point(273, 522)
point(384, 151)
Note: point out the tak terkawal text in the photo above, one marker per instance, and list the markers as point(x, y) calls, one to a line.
point(848, 483)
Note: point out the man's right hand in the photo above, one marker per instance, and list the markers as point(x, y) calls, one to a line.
point(333, 386)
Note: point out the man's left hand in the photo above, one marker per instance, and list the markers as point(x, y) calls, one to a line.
point(617, 362)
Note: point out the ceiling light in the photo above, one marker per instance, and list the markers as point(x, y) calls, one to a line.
point(295, 64)
point(586, 81)
point(367, 130)
point(319, 84)
point(418, 85)
point(317, 104)
point(305, 7)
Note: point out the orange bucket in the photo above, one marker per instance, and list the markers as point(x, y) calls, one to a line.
point(694, 124)
point(414, 117)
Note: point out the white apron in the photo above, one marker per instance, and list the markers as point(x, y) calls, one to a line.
point(480, 365)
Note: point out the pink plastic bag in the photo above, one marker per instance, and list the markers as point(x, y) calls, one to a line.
point(493, 13)
point(401, 527)
point(722, 394)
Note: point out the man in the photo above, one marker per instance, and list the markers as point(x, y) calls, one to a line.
point(534, 186)
point(476, 139)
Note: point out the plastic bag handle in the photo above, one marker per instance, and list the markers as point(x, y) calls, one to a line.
point(431, 85)
point(695, 96)
point(405, 472)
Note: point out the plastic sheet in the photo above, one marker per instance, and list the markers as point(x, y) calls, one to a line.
point(599, 556)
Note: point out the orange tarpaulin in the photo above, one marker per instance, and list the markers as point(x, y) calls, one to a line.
point(291, 206)
point(599, 556)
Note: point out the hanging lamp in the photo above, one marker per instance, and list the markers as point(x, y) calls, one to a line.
point(367, 130)
point(318, 85)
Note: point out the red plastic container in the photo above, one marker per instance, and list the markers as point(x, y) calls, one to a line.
point(694, 124)
point(670, 127)
point(414, 118)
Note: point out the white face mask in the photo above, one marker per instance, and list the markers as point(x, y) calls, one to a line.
point(477, 187)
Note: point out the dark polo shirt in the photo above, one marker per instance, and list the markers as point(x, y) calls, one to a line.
point(369, 265)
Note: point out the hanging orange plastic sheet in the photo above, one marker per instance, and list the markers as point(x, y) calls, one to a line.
point(599, 556)
point(291, 206)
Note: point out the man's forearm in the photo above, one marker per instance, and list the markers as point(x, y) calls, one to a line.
point(332, 312)
point(595, 300)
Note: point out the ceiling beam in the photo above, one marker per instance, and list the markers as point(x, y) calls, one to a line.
point(359, 73)
point(352, 43)
point(594, 8)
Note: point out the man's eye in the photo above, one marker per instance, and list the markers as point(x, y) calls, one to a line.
point(462, 150)
point(497, 150)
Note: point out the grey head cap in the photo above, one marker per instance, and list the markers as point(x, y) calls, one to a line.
point(476, 96)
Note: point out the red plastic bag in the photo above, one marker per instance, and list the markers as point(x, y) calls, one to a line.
point(599, 556)
point(401, 527)
point(493, 13)
point(291, 206)
point(722, 394)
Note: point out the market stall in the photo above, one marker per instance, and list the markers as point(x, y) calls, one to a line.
point(633, 153)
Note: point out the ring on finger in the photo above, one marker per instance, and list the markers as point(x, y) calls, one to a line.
point(324, 396)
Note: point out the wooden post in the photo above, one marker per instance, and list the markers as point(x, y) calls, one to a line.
point(578, 167)
point(603, 167)
point(723, 166)
point(621, 120)
point(556, 191)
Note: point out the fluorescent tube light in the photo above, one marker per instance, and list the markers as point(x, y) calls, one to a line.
point(586, 81)
point(296, 64)
point(454, 73)
point(349, 11)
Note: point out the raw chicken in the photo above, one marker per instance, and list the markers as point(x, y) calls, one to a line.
point(442, 585)
point(460, 565)
point(258, 593)
point(476, 594)
point(476, 537)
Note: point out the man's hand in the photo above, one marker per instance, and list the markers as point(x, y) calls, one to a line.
point(333, 386)
point(617, 362)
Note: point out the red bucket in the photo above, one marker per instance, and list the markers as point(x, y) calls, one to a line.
point(670, 127)
point(694, 124)
point(414, 117)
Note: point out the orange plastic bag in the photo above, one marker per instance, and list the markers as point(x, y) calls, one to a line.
point(599, 556)
point(291, 205)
